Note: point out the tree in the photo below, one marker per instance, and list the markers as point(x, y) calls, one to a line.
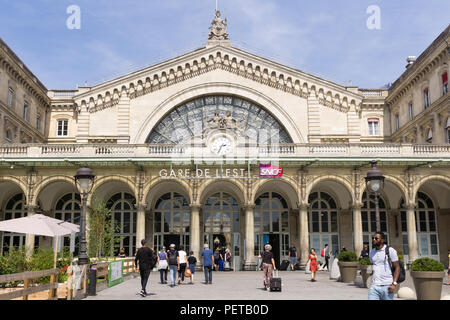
point(101, 231)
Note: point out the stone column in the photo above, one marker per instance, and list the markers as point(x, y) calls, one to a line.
point(249, 264)
point(303, 233)
point(29, 238)
point(195, 244)
point(357, 228)
point(140, 224)
point(412, 234)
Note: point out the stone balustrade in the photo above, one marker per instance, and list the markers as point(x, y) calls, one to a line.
point(286, 151)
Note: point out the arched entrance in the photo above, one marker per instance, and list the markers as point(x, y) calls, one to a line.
point(368, 217)
point(271, 223)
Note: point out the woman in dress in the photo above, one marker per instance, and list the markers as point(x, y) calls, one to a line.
point(313, 264)
point(268, 264)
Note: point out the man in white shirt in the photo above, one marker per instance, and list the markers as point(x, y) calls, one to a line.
point(383, 281)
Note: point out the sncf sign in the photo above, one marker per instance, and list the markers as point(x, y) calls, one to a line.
point(268, 170)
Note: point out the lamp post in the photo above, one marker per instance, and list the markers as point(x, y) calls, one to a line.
point(374, 184)
point(84, 181)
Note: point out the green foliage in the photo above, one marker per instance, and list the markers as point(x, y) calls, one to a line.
point(365, 261)
point(347, 256)
point(101, 231)
point(41, 259)
point(13, 261)
point(427, 264)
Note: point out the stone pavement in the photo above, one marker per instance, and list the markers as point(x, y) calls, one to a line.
point(296, 285)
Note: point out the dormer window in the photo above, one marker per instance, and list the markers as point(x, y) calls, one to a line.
point(426, 98)
point(374, 128)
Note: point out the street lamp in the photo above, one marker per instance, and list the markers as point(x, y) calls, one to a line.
point(84, 181)
point(374, 184)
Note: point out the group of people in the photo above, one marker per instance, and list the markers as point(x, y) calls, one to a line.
point(222, 259)
point(175, 262)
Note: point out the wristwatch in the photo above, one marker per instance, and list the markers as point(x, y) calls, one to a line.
point(395, 283)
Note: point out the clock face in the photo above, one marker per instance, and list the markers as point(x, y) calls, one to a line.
point(221, 146)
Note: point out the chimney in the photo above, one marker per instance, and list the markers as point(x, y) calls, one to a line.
point(410, 60)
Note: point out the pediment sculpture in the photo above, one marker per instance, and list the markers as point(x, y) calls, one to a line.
point(218, 28)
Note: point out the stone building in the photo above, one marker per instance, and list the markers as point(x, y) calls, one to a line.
point(179, 150)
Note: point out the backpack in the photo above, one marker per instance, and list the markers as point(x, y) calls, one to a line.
point(401, 276)
point(323, 253)
point(172, 257)
point(154, 259)
point(216, 256)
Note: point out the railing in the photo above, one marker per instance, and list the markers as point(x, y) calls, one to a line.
point(27, 289)
point(34, 152)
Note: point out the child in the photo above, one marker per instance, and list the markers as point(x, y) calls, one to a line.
point(192, 261)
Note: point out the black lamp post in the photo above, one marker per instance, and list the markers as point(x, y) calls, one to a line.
point(374, 185)
point(84, 181)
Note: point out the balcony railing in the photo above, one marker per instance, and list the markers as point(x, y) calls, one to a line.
point(38, 152)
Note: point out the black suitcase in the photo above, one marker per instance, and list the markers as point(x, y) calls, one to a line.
point(275, 283)
point(284, 265)
point(297, 266)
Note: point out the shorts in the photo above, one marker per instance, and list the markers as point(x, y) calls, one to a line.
point(293, 260)
point(192, 268)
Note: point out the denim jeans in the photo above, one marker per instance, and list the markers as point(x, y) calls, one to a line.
point(208, 273)
point(380, 293)
point(163, 274)
point(173, 274)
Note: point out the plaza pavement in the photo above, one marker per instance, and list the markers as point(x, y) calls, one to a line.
point(296, 285)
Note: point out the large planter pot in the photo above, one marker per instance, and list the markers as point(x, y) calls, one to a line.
point(364, 274)
point(428, 284)
point(348, 271)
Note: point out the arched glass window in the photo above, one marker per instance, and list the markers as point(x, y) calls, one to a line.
point(368, 217)
point(426, 227)
point(191, 118)
point(221, 222)
point(271, 223)
point(15, 208)
point(122, 206)
point(323, 222)
point(68, 209)
point(171, 221)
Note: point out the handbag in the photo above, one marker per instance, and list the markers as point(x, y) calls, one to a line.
point(187, 273)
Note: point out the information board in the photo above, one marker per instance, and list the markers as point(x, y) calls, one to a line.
point(115, 273)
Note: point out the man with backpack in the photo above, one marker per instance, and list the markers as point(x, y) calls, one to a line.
point(174, 264)
point(383, 259)
point(145, 258)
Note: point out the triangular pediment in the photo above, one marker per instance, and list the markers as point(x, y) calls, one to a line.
point(239, 62)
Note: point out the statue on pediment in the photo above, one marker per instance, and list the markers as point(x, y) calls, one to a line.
point(218, 28)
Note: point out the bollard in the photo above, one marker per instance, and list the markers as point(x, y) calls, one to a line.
point(92, 282)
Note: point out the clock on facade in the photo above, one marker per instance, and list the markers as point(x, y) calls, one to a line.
point(221, 145)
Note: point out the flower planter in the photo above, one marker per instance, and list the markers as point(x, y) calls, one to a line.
point(428, 284)
point(348, 270)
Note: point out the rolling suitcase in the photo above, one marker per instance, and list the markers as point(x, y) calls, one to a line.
point(275, 283)
point(284, 265)
point(297, 266)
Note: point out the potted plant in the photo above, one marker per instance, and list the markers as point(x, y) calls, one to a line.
point(428, 275)
point(364, 264)
point(348, 265)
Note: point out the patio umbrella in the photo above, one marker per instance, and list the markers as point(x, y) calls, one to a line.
point(38, 224)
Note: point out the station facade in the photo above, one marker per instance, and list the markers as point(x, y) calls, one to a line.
point(224, 147)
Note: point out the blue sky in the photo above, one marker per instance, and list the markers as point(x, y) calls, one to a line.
point(328, 39)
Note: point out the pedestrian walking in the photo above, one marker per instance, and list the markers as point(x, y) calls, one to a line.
point(383, 281)
point(192, 261)
point(163, 265)
point(183, 263)
point(144, 263)
point(217, 258)
point(364, 252)
point(174, 264)
point(312, 257)
point(268, 265)
point(293, 258)
point(208, 262)
point(326, 254)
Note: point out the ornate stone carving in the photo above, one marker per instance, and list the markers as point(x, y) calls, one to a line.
point(218, 28)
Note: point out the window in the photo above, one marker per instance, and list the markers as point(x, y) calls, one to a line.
point(10, 97)
point(447, 129)
point(368, 216)
point(426, 98)
point(62, 128)
point(8, 136)
point(430, 136)
point(397, 122)
point(444, 83)
point(38, 122)
point(373, 127)
point(25, 111)
point(411, 111)
point(68, 208)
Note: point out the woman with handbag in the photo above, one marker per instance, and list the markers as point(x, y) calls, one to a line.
point(313, 265)
point(191, 263)
point(163, 265)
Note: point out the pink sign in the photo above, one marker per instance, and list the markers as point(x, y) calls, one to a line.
point(268, 170)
